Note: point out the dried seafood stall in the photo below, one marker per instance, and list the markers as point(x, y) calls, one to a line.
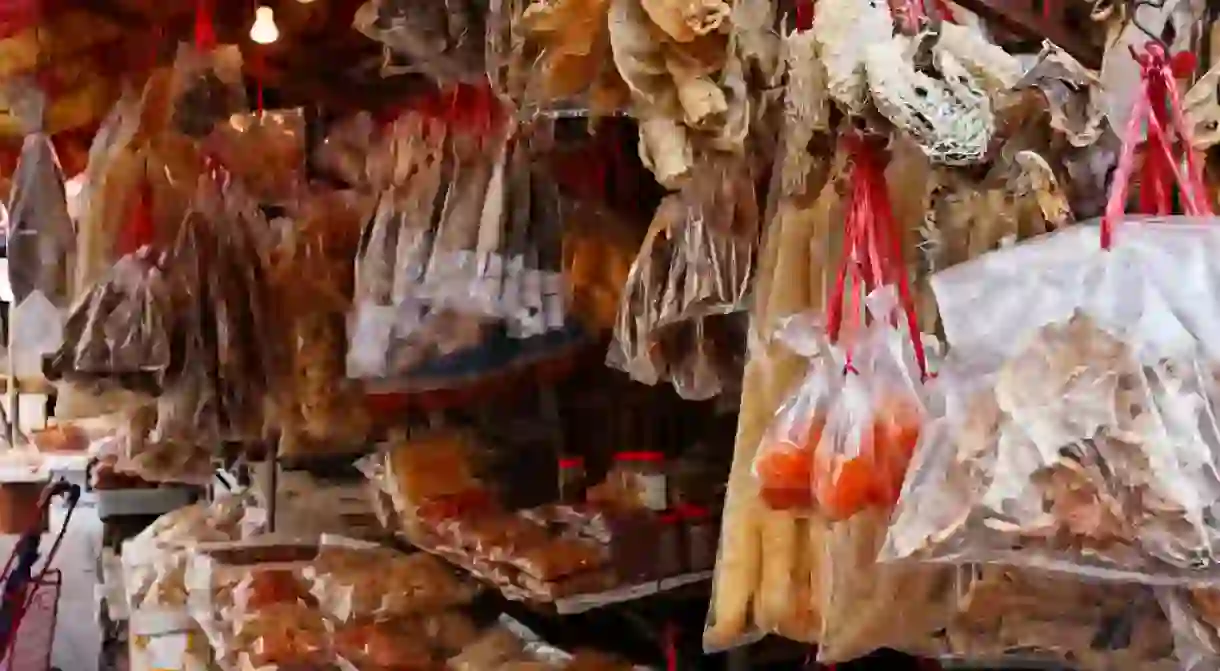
point(495, 329)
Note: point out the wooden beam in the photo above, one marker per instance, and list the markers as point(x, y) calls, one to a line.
point(1018, 16)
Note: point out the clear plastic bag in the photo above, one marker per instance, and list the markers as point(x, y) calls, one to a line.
point(1195, 617)
point(119, 333)
point(1083, 439)
point(353, 581)
point(206, 89)
point(41, 235)
point(696, 261)
point(265, 150)
point(1020, 619)
point(155, 561)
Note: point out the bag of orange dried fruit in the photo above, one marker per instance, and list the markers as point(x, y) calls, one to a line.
point(842, 442)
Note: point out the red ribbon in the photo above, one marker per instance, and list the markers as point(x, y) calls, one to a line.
point(1157, 103)
point(205, 27)
point(872, 232)
point(804, 15)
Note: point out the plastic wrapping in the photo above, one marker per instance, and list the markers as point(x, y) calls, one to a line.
point(155, 561)
point(696, 262)
point(1195, 617)
point(1013, 618)
point(41, 235)
point(207, 89)
point(353, 581)
point(118, 334)
point(443, 41)
point(257, 614)
point(145, 453)
point(1084, 438)
point(265, 150)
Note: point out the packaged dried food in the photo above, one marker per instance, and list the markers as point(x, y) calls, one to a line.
point(155, 561)
point(558, 558)
point(354, 580)
point(1194, 617)
point(696, 262)
point(571, 480)
point(383, 645)
point(252, 603)
point(311, 272)
point(344, 153)
point(640, 480)
point(498, 537)
point(1069, 406)
point(495, 647)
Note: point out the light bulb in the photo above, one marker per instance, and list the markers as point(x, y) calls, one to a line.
point(264, 31)
point(305, 2)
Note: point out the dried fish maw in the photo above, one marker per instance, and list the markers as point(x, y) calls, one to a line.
point(760, 47)
point(996, 69)
point(665, 150)
point(568, 27)
point(686, 20)
point(1201, 107)
point(844, 31)
point(1072, 95)
point(1036, 179)
point(638, 48)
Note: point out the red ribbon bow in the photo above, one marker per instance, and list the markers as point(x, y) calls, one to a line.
point(1158, 103)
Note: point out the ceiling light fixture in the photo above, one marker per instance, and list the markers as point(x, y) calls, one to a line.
point(264, 30)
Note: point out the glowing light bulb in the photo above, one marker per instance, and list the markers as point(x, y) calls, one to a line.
point(305, 2)
point(264, 31)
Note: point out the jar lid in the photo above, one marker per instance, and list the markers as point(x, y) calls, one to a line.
point(639, 456)
point(571, 462)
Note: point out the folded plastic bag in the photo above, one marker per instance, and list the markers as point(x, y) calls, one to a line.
point(207, 88)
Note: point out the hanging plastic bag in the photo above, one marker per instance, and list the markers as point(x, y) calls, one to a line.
point(41, 239)
point(344, 153)
point(119, 334)
point(1081, 429)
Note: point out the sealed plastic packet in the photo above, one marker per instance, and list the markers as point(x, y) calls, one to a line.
point(353, 580)
point(1082, 439)
point(1195, 617)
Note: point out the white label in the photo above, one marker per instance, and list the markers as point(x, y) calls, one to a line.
point(552, 300)
point(653, 492)
point(370, 340)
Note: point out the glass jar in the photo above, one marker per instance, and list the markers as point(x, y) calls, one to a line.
point(645, 477)
point(572, 481)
